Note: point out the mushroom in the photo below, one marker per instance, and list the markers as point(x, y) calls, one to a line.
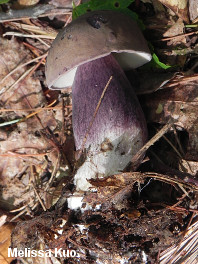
point(88, 52)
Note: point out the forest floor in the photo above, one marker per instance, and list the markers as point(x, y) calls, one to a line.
point(146, 216)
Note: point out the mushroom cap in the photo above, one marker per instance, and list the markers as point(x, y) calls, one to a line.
point(91, 36)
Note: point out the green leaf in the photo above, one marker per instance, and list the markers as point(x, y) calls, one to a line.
point(93, 5)
point(158, 63)
point(4, 1)
point(155, 62)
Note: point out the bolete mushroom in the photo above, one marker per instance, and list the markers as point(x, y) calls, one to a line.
point(93, 48)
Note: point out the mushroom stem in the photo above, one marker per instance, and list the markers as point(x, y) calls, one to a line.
point(119, 128)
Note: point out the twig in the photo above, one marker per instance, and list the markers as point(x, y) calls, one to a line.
point(53, 172)
point(22, 65)
point(39, 198)
point(178, 141)
point(35, 109)
point(18, 209)
point(43, 42)
point(36, 112)
point(24, 77)
point(19, 214)
point(34, 12)
point(17, 34)
point(179, 36)
point(32, 29)
point(168, 179)
point(15, 155)
point(183, 80)
point(181, 209)
point(17, 81)
point(140, 153)
point(171, 144)
point(33, 49)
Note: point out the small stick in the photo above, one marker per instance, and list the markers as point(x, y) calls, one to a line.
point(149, 143)
point(39, 198)
point(23, 77)
point(17, 81)
point(179, 36)
point(29, 36)
point(183, 80)
point(15, 155)
point(21, 66)
point(34, 109)
point(34, 12)
point(170, 180)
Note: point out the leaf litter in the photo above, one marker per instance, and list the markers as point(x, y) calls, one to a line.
point(148, 216)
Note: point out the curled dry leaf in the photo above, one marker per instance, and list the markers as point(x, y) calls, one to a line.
point(112, 190)
point(179, 7)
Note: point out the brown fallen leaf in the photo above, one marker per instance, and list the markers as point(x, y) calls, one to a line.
point(5, 242)
point(176, 30)
point(190, 167)
point(179, 103)
point(25, 94)
point(112, 190)
point(179, 7)
point(23, 149)
point(193, 9)
point(26, 233)
point(27, 2)
point(132, 214)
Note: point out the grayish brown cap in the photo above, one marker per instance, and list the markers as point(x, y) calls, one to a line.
point(91, 36)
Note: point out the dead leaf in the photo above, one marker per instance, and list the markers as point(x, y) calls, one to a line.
point(26, 233)
point(2, 219)
point(190, 167)
point(179, 7)
point(26, 94)
point(132, 214)
point(5, 242)
point(175, 30)
point(112, 190)
point(193, 9)
point(180, 104)
point(151, 81)
point(27, 2)
point(22, 146)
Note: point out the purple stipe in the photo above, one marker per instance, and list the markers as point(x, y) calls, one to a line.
point(119, 112)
